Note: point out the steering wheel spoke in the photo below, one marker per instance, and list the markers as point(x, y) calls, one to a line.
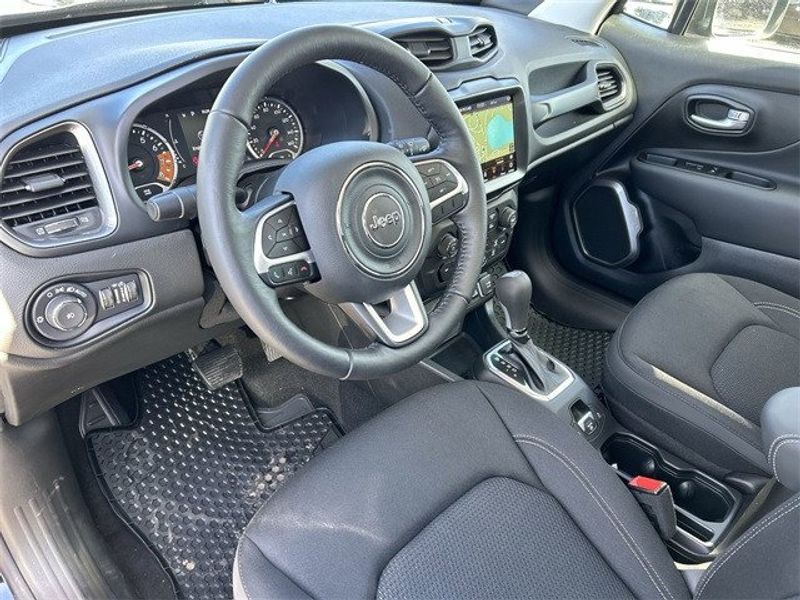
point(398, 321)
point(281, 253)
point(446, 187)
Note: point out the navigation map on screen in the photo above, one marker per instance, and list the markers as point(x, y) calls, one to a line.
point(491, 125)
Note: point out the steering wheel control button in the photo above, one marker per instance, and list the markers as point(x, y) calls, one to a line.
point(63, 311)
point(296, 271)
point(282, 218)
point(383, 220)
point(282, 235)
point(447, 191)
point(283, 249)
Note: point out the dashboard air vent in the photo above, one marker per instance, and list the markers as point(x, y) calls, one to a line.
point(609, 84)
point(432, 48)
point(53, 189)
point(482, 42)
point(45, 179)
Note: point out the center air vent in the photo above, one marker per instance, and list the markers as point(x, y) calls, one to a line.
point(482, 42)
point(432, 48)
point(609, 85)
point(47, 193)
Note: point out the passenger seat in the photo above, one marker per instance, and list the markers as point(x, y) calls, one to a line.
point(694, 363)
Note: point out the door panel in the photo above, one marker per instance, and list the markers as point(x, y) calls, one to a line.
point(717, 193)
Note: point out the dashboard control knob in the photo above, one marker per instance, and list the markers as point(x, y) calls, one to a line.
point(448, 246)
point(508, 217)
point(66, 312)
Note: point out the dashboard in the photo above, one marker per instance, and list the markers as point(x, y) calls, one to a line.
point(82, 150)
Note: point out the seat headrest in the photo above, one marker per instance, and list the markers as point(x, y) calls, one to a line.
point(780, 435)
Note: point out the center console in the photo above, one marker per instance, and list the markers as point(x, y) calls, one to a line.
point(495, 118)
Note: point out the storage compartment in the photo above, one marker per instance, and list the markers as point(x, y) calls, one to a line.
point(694, 492)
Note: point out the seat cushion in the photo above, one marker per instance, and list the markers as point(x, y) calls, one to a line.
point(694, 363)
point(468, 490)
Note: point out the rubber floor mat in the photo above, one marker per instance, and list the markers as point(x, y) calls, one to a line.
point(584, 350)
point(194, 469)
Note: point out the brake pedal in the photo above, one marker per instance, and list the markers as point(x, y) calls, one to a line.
point(219, 367)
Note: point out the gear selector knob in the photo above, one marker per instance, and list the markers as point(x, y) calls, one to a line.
point(514, 291)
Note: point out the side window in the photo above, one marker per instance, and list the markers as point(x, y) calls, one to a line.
point(767, 24)
point(655, 12)
point(735, 25)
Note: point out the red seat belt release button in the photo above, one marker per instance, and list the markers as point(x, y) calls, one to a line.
point(655, 498)
point(648, 485)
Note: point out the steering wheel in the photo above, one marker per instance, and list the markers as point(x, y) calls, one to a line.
point(360, 210)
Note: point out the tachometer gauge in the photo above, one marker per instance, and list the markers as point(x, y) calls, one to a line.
point(276, 132)
point(152, 163)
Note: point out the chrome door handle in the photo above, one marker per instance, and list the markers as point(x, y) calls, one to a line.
point(736, 120)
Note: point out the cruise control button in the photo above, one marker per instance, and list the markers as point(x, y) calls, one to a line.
point(443, 189)
point(282, 249)
point(430, 169)
point(433, 181)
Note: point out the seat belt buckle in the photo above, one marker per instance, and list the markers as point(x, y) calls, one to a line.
point(655, 498)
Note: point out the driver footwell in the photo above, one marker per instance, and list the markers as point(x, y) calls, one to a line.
point(195, 467)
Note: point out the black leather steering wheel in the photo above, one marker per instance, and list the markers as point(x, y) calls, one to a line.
point(363, 206)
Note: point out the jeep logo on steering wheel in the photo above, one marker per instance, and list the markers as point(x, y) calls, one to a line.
point(382, 220)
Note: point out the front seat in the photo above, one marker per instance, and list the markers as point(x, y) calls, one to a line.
point(694, 363)
point(467, 490)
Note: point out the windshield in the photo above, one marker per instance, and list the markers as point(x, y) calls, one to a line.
point(25, 12)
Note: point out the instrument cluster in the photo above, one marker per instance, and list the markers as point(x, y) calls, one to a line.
point(165, 140)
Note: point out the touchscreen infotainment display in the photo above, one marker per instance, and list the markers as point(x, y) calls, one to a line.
point(491, 125)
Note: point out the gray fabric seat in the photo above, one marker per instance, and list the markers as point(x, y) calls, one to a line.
point(472, 490)
point(464, 491)
point(696, 360)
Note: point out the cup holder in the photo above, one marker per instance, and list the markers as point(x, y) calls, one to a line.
point(692, 491)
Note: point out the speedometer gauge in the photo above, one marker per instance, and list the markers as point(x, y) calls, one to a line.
point(275, 132)
point(152, 163)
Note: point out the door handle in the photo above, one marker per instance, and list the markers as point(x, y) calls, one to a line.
point(727, 116)
point(736, 120)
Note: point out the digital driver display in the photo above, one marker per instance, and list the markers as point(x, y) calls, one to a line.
point(491, 125)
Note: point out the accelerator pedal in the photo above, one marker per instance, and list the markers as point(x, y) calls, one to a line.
point(219, 367)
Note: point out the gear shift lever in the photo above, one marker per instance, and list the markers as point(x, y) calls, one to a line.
point(514, 290)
